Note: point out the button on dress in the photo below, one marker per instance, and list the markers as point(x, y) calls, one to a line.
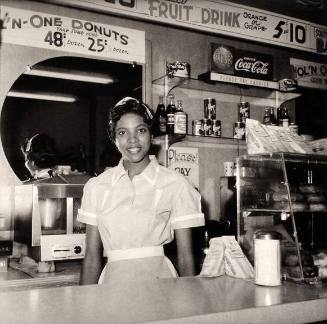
point(135, 218)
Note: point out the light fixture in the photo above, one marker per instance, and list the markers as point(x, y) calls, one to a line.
point(42, 96)
point(69, 74)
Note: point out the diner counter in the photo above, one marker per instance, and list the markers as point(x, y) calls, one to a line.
point(25, 276)
point(182, 300)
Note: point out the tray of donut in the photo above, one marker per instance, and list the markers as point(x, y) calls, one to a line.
point(304, 197)
point(314, 264)
point(309, 205)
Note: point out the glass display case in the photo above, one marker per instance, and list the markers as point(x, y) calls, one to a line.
point(286, 193)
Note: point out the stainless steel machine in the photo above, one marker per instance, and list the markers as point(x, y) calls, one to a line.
point(45, 217)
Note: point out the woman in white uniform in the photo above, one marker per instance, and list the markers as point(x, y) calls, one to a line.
point(135, 208)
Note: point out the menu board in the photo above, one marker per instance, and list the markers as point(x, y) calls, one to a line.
point(43, 30)
point(221, 17)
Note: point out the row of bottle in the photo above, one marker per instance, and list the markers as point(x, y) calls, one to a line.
point(282, 119)
point(171, 120)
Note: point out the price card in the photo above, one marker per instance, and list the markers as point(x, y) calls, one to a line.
point(43, 30)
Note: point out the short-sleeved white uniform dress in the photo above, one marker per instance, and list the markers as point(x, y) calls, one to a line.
point(137, 217)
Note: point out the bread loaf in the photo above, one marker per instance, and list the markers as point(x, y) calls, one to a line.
point(315, 198)
point(318, 207)
point(290, 259)
point(309, 189)
point(277, 196)
point(299, 206)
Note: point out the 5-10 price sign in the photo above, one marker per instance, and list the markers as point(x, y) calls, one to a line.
point(301, 35)
point(24, 27)
point(294, 32)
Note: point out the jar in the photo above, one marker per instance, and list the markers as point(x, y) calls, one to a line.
point(210, 108)
point(244, 110)
point(267, 258)
point(216, 128)
point(239, 130)
point(197, 127)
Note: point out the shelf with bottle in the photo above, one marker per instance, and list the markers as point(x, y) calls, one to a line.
point(204, 84)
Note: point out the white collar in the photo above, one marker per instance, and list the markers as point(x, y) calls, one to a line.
point(150, 173)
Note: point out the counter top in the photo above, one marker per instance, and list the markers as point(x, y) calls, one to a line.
point(182, 300)
point(24, 276)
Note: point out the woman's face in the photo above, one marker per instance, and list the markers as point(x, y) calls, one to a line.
point(133, 138)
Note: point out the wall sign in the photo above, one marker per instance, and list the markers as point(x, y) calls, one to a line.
point(310, 74)
point(245, 81)
point(36, 29)
point(221, 17)
point(246, 64)
point(185, 160)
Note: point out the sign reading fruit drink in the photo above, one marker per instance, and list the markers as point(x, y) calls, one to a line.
point(220, 17)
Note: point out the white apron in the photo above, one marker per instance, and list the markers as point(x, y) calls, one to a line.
point(141, 263)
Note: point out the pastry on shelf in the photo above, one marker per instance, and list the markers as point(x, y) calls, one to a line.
point(315, 198)
point(318, 207)
point(308, 189)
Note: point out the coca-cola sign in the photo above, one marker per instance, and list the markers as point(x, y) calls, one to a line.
point(229, 60)
point(253, 65)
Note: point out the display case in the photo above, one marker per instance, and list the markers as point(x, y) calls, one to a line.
point(286, 193)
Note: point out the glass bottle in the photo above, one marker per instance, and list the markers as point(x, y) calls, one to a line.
point(273, 118)
point(266, 117)
point(161, 118)
point(180, 119)
point(285, 118)
point(279, 115)
point(204, 249)
point(171, 108)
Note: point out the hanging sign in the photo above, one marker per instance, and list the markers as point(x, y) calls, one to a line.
point(185, 160)
point(309, 74)
point(221, 17)
point(43, 30)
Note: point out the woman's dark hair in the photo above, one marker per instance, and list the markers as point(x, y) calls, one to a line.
point(128, 105)
point(41, 149)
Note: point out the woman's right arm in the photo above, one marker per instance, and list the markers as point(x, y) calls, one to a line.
point(92, 263)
